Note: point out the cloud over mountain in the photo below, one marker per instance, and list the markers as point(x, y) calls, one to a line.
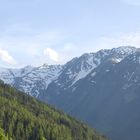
point(6, 57)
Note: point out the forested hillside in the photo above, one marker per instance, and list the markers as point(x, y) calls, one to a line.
point(24, 118)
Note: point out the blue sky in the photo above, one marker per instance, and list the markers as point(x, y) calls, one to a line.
point(34, 32)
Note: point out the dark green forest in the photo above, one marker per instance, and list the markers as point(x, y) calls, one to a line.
point(24, 118)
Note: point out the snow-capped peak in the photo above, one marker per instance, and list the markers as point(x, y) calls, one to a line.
point(125, 50)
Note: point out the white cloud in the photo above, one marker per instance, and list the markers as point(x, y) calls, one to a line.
point(6, 57)
point(132, 2)
point(52, 54)
point(28, 44)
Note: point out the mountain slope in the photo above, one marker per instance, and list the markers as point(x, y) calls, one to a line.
point(23, 117)
point(108, 98)
point(79, 68)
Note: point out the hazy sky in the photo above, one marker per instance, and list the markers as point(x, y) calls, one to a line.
point(33, 32)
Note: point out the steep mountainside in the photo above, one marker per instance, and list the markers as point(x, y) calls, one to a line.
point(107, 98)
point(80, 67)
point(24, 118)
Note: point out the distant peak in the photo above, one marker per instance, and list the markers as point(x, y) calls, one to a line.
point(125, 49)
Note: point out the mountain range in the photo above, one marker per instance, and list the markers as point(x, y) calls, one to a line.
point(100, 88)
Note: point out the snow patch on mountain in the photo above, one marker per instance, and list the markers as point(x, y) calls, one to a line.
point(31, 79)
